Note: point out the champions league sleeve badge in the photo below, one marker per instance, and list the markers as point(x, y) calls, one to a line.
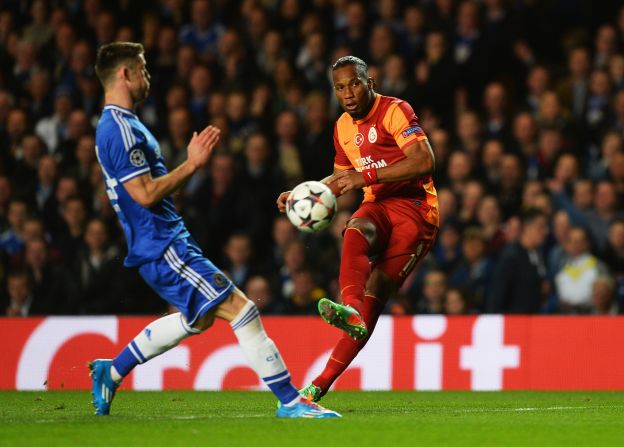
point(137, 157)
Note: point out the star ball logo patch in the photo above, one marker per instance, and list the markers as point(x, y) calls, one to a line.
point(412, 130)
point(137, 157)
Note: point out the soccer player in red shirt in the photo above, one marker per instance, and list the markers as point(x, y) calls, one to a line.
point(381, 148)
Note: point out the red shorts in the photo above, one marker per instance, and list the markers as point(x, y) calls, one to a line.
point(403, 233)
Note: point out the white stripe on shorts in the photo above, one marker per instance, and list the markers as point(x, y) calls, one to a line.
point(192, 272)
point(182, 270)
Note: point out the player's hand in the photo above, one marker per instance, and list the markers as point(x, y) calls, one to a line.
point(201, 146)
point(344, 181)
point(281, 201)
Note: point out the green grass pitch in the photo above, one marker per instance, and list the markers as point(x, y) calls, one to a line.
point(380, 419)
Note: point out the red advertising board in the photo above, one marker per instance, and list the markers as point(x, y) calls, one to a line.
point(488, 352)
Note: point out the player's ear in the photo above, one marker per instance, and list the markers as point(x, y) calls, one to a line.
point(126, 73)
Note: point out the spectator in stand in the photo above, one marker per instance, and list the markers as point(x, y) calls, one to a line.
point(575, 279)
point(457, 302)
point(459, 171)
point(612, 143)
point(294, 260)
point(510, 185)
point(489, 220)
point(258, 289)
point(95, 270)
point(219, 204)
point(51, 287)
point(289, 158)
point(69, 239)
point(537, 83)
point(471, 195)
point(603, 300)
point(474, 273)
point(173, 147)
point(12, 239)
point(605, 211)
point(239, 255)
point(20, 295)
point(614, 257)
point(305, 294)
point(496, 120)
point(433, 293)
point(573, 89)
point(518, 283)
point(605, 45)
point(53, 128)
point(6, 192)
point(557, 255)
point(203, 32)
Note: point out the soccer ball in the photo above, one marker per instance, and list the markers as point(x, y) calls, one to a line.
point(311, 206)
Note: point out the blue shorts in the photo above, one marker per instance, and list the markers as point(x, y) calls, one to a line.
point(186, 279)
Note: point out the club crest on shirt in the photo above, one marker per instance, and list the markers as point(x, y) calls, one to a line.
point(372, 135)
point(137, 157)
point(219, 280)
point(359, 139)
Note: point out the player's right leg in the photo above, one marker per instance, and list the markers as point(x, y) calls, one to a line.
point(347, 348)
point(265, 359)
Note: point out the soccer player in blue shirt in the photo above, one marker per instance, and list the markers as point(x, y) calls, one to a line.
point(160, 246)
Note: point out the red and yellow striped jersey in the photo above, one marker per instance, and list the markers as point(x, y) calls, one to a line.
point(378, 140)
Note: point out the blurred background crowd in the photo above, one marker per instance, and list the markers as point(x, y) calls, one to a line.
point(522, 100)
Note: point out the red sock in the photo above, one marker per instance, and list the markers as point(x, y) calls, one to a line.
point(346, 349)
point(354, 267)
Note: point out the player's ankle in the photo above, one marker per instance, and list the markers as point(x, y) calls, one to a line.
point(353, 301)
point(117, 378)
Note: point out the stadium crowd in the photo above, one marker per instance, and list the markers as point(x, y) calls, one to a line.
point(522, 100)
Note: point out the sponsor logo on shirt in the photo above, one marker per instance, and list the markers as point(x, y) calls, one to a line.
point(368, 162)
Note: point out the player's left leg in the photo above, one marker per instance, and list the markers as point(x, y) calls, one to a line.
point(157, 337)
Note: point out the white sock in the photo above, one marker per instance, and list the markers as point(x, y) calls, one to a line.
point(162, 335)
point(262, 354)
point(157, 337)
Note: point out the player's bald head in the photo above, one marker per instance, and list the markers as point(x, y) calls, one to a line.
point(360, 66)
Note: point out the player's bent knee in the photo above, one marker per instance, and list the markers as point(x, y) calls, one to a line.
point(204, 322)
point(230, 307)
point(365, 227)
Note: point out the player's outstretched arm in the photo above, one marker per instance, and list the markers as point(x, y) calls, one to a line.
point(419, 162)
point(147, 191)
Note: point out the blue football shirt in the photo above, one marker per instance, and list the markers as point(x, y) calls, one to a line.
point(126, 149)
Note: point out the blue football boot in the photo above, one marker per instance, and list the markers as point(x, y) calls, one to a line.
point(104, 386)
point(305, 408)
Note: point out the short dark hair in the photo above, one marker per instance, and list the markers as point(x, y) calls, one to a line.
point(530, 215)
point(112, 55)
point(360, 66)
